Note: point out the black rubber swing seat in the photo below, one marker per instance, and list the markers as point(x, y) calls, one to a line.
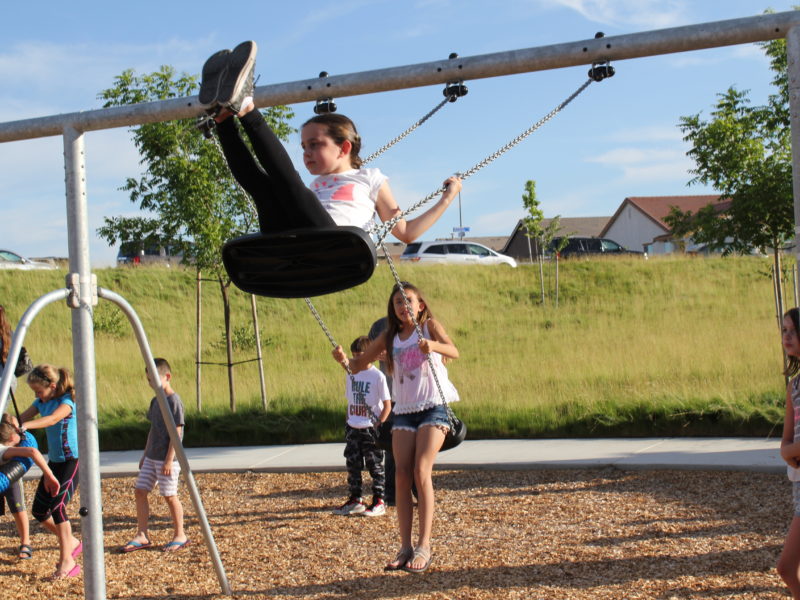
point(300, 263)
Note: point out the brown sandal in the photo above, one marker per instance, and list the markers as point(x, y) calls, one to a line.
point(423, 553)
point(399, 562)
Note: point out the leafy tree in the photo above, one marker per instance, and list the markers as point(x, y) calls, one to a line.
point(744, 152)
point(186, 190)
point(535, 229)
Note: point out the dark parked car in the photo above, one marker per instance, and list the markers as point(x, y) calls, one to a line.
point(585, 246)
point(135, 253)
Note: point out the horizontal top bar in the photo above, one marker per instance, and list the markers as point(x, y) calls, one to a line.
point(663, 41)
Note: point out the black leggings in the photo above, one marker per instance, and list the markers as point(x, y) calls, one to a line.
point(45, 505)
point(282, 199)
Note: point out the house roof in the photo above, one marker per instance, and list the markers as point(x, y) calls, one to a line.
point(571, 226)
point(657, 207)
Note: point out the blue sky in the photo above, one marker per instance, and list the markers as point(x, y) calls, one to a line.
point(620, 138)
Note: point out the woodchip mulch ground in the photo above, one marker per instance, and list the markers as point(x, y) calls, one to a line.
point(564, 534)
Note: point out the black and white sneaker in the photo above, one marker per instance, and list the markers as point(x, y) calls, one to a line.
point(213, 71)
point(236, 85)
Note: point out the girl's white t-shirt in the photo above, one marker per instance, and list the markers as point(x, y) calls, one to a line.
point(350, 196)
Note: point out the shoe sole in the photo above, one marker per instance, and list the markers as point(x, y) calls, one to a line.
point(213, 70)
point(240, 61)
point(342, 513)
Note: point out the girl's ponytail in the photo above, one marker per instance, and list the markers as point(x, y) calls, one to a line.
point(65, 383)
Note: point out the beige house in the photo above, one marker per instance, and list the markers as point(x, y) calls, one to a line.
point(639, 222)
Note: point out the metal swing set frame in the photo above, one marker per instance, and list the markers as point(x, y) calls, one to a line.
point(81, 292)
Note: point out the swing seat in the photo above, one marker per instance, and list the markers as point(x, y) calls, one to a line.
point(14, 469)
point(300, 263)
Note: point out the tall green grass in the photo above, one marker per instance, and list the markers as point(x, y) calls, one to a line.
point(663, 346)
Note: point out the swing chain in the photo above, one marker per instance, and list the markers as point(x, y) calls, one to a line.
point(327, 333)
point(382, 230)
point(391, 143)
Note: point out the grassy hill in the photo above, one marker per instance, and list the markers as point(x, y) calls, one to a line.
point(667, 346)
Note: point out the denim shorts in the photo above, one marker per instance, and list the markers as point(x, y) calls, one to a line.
point(434, 416)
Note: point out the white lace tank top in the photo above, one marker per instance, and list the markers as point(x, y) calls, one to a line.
point(413, 386)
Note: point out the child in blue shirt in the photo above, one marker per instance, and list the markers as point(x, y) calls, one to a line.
point(55, 403)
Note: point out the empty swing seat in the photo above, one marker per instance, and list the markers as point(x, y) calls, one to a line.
point(300, 263)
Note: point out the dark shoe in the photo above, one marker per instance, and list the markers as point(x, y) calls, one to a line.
point(237, 83)
point(213, 70)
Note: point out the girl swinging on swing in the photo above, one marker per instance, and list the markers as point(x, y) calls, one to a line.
point(343, 192)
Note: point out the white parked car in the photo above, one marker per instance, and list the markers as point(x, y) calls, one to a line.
point(455, 252)
point(12, 260)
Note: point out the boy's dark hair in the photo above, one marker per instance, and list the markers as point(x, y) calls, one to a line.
point(359, 344)
point(162, 366)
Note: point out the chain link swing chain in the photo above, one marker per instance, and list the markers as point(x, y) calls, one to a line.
point(384, 148)
point(382, 230)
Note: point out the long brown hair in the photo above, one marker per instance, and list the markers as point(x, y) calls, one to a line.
point(341, 129)
point(5, 335)
point(48, 374)
point(793, 362)
point(394, 324)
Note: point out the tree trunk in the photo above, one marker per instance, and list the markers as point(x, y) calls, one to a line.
point(777, 289)
point(198, 350)
point(778, 286)
point(226, 303)
point(258, 352)
point(541, 275)
point(556, 257)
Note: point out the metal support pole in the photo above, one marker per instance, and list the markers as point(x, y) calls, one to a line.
point(793, 56)
point(555, 56)
point(19, 339)
point(180, 453)
point(82, 299)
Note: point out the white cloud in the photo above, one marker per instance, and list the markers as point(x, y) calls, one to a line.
point(630, 155)
point(648, 14)
point(653, 133)
point(674, 170)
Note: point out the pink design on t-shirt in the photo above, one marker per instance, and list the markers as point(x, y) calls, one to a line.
point(345, 192)
point(410, 359)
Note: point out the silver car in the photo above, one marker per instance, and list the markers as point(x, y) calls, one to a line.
point(12, 260)
point(455, 252)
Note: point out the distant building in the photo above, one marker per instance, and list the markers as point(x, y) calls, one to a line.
point(639, 222)
point(519, 246)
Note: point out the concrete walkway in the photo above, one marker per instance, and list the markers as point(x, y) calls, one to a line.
point(747, 454)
